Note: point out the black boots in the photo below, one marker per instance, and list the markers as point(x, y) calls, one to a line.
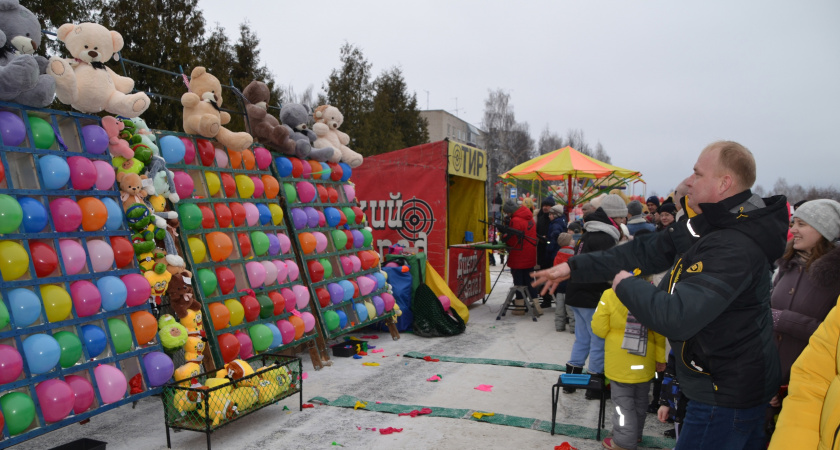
point(571, 369)
point(593, 394)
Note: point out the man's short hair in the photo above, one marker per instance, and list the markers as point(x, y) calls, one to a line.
point(736, 159)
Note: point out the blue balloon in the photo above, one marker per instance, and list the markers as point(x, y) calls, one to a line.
point(346, 171)
point(172, 149)
point(113, 292)
point(94, 340)
point(42, 353)
point(35, 216)
point(361, 311)
point(276, 338)
point(349, 290)
point(332, 216)
point(25, 307)
point(115, 214)
point(265, 214)
point(342, 319)
point(54, 171)
point(284, 166)
point(380, 280)
point(326, 171)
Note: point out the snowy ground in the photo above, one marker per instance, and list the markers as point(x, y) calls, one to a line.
point(516, 391)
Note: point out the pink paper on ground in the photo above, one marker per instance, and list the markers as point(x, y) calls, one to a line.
point(378, 350)
point(484, 387)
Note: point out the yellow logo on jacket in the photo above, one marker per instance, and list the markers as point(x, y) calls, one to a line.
point(695, 268)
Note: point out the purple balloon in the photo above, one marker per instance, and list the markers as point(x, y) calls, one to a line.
point(358, 238)
point(273, 244)
point(159, 368)
point(12, 130)
point(336, 293)
point(379, 304)
point(299, 218)
point(95, 138)
point(311, 216)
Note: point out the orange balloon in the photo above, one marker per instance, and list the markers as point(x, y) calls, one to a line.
point(145, 326)
point(220, 315)
point(94, 213)
point(297, 322)
point(220, 245)
point(235, 159)
point(271, 186)
point(248, 159)
point(316, 169)
point(307, 242)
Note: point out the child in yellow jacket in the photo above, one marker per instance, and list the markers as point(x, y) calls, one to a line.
point(632, 355)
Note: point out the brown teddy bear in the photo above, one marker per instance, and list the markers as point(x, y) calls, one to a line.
point(327, 120)
point(181, 296)
point(131, 188)
point(265, 127)
point(202, 113)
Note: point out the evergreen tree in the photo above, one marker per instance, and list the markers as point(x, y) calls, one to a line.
point(245, 67)
point(394, 120)
point(349, 90)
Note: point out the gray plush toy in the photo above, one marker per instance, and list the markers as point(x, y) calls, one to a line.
point(294, 116)
point(22, 73)
point(160, 181)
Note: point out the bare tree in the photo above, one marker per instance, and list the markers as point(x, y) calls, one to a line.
point(549, 142)
point(796, 193)
point(600, 154)
point(289, 95)
point(508, 143)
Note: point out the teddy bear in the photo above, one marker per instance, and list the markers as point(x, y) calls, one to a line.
point(84, 82)
point(131, 188)
point(117, 146)
point(22, 73)
point(294, 117)
point(265, 127)
point(181, 296)
point(202, 114)
point(327, 120)
point(161, 180)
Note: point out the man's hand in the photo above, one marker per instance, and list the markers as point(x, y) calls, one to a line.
point(775, 402)
point(620, 276)
point(551, 277)
point(660, 367)
point(662, 414)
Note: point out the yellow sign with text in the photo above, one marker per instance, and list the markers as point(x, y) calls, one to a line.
point(466, 161)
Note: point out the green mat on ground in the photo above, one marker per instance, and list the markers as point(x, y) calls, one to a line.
point(495, 362)
point(576, 431)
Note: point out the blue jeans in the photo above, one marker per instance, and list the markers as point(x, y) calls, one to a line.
point(587, 344)
point(715, 427)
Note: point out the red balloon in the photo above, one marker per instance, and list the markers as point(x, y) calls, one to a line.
point(228, 347)
point(2, 178)
point(206, 152)
point(252, 308)
point(359, 214)
point(223, 214)
point(238, 213)
point(368, 259)
point(322, 193)
point(332, 194)
point(207, 218)
point(349, 235)
point(226, 278)
point(297, 167)
point(355, 288)
point(123, 251)
point(343, 219)
point(323, 297)
point(337, 172)
point(279, 302)
point(316, 270)
point(229, 185)
point(322, 220)
point(244, 244)
point(44, 257)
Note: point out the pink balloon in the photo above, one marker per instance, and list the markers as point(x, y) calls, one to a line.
point(86, 298)
point(263, 158)
point(366, 285)
point(256, 274)
point(259, 187)
point(322, 219)
point(305, 191)
point(307, 169)
point(252, 214)
point(444, 300)
point(82, 391)
point(287, 331)
point(350, 192)
point(282, 271)
point(246, 347)
point(138, 289)
point(294, 270)
point(320, 241)
point(357, 263)
point(66, 214)
point(82, 172)
point(346, 264)
point(301, 296)
point(221, 158)
point(11, 364)
point(183, 184)
point(111, 382)
point(105, 175)
point(270, 272)
point(56, 399)
point(189, 150)
point(389, 301)
point(308, 321)
point(285, 243)
point(73, 256)
point(290, 297)
point(101, 255)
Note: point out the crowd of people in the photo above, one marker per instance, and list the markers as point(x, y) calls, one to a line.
point(743, 288)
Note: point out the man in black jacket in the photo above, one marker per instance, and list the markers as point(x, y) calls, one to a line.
point(714, 306)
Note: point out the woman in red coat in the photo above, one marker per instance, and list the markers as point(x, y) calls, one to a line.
point(522, 255)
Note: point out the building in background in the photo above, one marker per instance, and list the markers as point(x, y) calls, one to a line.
point(443, 125)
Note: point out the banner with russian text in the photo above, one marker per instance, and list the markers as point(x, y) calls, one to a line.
point(467, 274)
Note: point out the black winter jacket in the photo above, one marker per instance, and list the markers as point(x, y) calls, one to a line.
point(716, 309)
point(582, 294)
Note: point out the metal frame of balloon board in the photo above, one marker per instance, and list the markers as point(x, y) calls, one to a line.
point(236, 262)
point(68, 126)
point(333, 255)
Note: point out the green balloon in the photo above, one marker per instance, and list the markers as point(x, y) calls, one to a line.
point(208, 282)
point(291, 192)
point(11, 214)
point(120, 335)
point(266, 307)
point(349, 214)
point(339, 239)
point(19, 411)
point(4, 315)
point(190, 215)
point(325, 263)
point(261, 337)
point(331, 320)
point(71, 348)
point(260, 242)
point(368, 237)
point(42, 132)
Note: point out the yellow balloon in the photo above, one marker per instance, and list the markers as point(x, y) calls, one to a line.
point(213, 183)
point(14, 261)
point(57, 302)
point(371, 310)
point(276, 213)
point(237, 312)
point(245, 186)
point(197, 249)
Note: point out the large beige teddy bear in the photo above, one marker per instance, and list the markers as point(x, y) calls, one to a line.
point(327, 120)
point(84, 82)
point(202, 114)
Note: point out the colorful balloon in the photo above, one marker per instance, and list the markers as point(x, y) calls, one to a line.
point(82, 391)
point(101, 255)
point(159, 368)
point(12, 129)
point(25, 307)
point(331, 320)
point(287, 331)
point(111, 382)
point(138, 289)
point(57, 302)
point(246, 347)
point(219, 314)
point(11, 364)
point(220, 245)
point(56, 399)
point(256, 274)
point(121, 335)
point(229, 347)
point(285, 243)
point(44, 258)
point(259, 189)
point(34, 215)
point(291, 194)
point(82, 173)
point(299, 326)
point(226, 279)
point(113, 293)
point(271, 186)
point(123, 251)
point(223, 215)
point(86, 298)
point(145, 326)
point(189, 150)
point(115, 214)
point(18, 411)
point(207, 281)
point(184, 184)
point(238, 214)
point(54, 171)
point(261, 337)
point(190, 215)
point(270, 272)
point(213, 183)
point(229, 185)
point(206, 151)
point(222, 159)
point(237, 312)
point(265, 214)
point(42, 353)
point(252, 214)
point(244, 186)
point(197, 249)
point(66, 214)
point(172, 149)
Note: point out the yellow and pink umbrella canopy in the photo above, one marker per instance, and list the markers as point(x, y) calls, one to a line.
point(567, 163)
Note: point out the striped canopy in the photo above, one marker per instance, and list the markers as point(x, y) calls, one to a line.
point(567, 163)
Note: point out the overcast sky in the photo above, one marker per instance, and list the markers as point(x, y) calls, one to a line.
point(653, 81)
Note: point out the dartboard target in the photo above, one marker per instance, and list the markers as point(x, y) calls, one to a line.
point(417, 217)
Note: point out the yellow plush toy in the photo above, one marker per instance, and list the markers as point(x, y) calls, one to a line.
point(184, 373)
point(202, 114)
point(245, 397)
point(268, 389)
point(221, 405)
point(236, 370)
point(193, 322)
point(194, 349)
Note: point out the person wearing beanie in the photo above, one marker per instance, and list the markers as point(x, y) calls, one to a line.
point(635, 220)
point(667, 214)
point(522, 252)
point(556, 225)
point(652, 204)
point(615, 208)
point(543, 220)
